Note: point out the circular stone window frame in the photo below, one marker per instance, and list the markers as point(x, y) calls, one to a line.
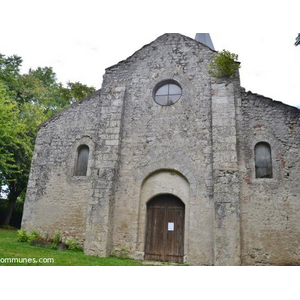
point(167, 83)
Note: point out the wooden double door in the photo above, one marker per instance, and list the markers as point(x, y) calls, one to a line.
point(165, 229)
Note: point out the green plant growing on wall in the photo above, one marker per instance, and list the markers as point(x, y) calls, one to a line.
point(224, 64)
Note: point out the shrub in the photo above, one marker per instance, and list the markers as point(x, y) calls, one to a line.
point(22, 236)
point(224, 64)
point(72, 244)
point(35, 235)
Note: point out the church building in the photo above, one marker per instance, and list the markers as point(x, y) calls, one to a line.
point(168, 163)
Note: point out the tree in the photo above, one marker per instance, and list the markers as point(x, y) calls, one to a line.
point(15, 149)
point(76, 91)
point(10, 132)
point(25, 102)
point(10, 73)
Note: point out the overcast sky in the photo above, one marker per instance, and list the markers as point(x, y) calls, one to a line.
point(79, 39)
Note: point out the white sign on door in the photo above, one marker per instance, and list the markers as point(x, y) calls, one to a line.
point(170, 226)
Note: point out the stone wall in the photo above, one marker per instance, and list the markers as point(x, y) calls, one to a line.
point(174, 138)
point(225, 104)
point(270, 207)
point(56, 199)
point(106, 171)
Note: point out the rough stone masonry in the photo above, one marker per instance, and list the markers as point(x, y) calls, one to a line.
point(161, 126)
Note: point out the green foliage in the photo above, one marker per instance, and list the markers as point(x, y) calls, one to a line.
point(72, 244)
point(10, 73)
point(10, 130)
point(34, 235)
point(56, 239)
point(224, 65)
point(76, 91)
point(22, 236)
point(14, 139)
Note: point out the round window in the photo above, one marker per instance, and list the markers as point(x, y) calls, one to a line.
point(167, 93)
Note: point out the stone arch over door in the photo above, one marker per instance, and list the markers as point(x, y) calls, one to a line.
point(162, 182)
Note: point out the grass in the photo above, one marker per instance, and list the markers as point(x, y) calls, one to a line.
point(14, 253)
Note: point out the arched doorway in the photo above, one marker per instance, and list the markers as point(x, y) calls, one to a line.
point(165, 229)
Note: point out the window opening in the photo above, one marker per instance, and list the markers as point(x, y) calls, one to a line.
point(82, 160)
point(263, 161)
point(167, 93)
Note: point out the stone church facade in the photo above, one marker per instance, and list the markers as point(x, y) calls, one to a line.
point(166, 162)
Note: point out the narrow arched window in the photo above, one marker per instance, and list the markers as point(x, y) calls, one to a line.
point(82, 160)
point(263, 161)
